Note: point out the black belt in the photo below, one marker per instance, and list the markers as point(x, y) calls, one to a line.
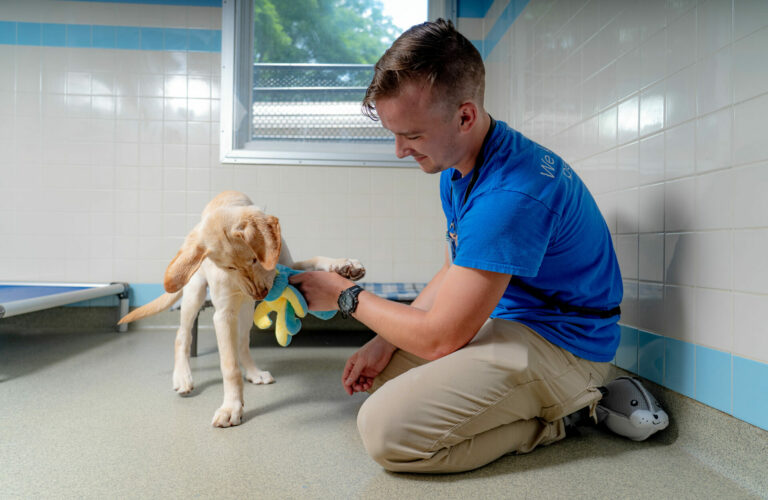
point(562, 306)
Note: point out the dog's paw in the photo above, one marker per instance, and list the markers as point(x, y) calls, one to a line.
point(228, 415)
point(182, 381)
point(259, 377)
point(349, 268)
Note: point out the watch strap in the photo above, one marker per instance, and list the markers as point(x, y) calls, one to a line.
point(353, 292)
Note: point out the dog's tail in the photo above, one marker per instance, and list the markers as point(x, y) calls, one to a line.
point(160, 304)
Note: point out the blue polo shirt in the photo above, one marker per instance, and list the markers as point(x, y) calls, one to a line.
point(529, 215)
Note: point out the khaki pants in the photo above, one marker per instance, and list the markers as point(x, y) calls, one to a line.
point(506, 391)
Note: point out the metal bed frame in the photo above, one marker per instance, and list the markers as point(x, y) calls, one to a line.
point(401, 292)
point(18, 297)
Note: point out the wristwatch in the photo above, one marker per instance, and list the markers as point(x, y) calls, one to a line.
point(348, 300)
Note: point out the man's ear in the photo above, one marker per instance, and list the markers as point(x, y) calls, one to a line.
point(262, 235)
point(467, 116)
point(185, 264)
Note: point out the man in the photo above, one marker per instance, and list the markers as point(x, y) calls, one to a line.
point(517, 328)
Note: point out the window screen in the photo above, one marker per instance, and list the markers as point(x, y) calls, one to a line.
point(294, 75)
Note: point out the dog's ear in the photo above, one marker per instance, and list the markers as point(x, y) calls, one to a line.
point(184, 265)
point(262, 235)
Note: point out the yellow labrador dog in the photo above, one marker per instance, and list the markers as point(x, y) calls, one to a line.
point(233, 250)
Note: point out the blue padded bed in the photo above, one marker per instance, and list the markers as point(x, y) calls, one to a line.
point(25, 297)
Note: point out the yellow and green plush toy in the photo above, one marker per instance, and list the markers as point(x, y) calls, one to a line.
point(289, 305)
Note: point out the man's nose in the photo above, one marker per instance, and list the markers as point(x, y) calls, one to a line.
point(402, 149)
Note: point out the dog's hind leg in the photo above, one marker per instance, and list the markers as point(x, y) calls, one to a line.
point(252, 373)
point(286, 258)
point(191, 302)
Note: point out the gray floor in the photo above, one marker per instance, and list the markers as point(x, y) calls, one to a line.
point(93, 415)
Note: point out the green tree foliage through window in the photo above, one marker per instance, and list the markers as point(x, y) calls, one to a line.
point(312, 61)
point(321, 31)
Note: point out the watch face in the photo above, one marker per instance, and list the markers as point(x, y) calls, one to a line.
point(345, 301)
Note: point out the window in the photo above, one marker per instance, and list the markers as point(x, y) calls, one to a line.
point(294, 75)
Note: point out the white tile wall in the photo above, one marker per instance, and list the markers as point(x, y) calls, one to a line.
point(750, 208)
point(677, 92)
point(680, 258)
point(750, 338)
point(714, 262)
point(660, 106)
point(651, 212)
point(713, 140)
point(680, 313)
point(107, 158)
point(679, 205)
point(680, 150)
point(714, 311)
point(748, 130)
point(750, 271)
point(651, 257)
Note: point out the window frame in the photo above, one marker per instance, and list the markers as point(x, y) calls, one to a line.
point(236, 106)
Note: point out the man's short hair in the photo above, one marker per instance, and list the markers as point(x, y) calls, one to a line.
point(434, 53)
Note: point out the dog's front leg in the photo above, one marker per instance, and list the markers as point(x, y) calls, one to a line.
point(252, 372)
point(231, 412)
point(349, 268)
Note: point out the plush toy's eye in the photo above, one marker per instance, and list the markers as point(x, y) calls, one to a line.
point(232, 268)
point(633, 402)
point(255, 261)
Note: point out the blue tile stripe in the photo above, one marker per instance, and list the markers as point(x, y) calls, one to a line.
point(186, 3)
point(502, 24)
point(474, 8)
point(7, 33)
point(109, 37)
point(626, 354)
point(722, 380)
point(680, 366)
point(499, 28)
point(750, 387)
point(713, 378)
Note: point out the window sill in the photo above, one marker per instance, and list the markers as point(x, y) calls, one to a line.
point(298, 153)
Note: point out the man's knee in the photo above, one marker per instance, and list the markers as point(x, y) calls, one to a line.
point(394, 431)
point(376, 430)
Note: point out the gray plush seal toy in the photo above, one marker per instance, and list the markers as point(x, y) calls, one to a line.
point(628, 409)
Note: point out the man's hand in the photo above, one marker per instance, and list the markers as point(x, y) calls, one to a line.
point(364, 365)
point(321, 289)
